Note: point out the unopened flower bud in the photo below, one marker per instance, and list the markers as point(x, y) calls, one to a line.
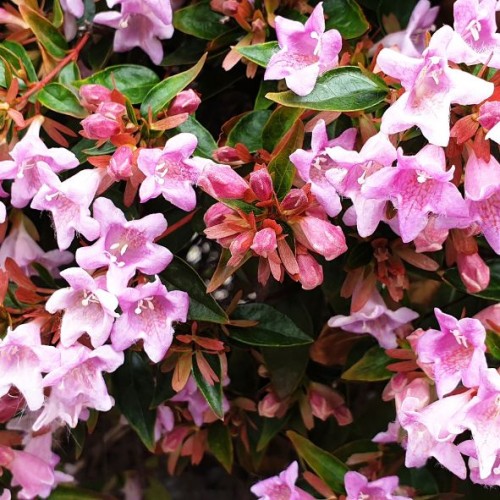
point(261, 183)
point(474, 272)
point(264, 242)
point(92, 95)
point(186, 101)
point(120, 165)
point(221, 181)
point(310, 271)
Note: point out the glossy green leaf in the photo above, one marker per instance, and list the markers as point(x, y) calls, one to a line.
point(180, 275)
point(23, 56)
point(260, 53)
point(324, 464)
point(282, 170)
point(241, 206)
point(58, 14)
point(69, 74)
point(248, 130)
point(3, 75)
point(158, 98)
point(493, 344)
point(131, 80)
point(57, 97)
point(371, 367)
point(346, 16)
point(279, 123)
point(221, 444)
point(273, 329)
point(345, 88)
point(133, 390)
point(270, 429)
point(206, 143)
point(266, 86)
point(201, 21)
point(212, 393)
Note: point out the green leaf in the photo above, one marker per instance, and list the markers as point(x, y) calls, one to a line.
point(493, 344)
point(452, 277)
point(23, 56)
point(221, 444)
point(260, 53)
point(282, 170)
point(345, 88)
point(266, 86)
point(131, 80)
point(187, 52)
point(206, 143)
point(212, 393)
point(279, 123)
point(69, 74)
point(201, 21)
point(371, 367)
point(202, 306)
point(274, 329)
point(248, 130)
point(46, 33)
point(3, 75)
point(324, 464)
point(57, 97)
point(242, 206)
point(346, 16)
point(162, 93)
point(271, 428)
point(133, 389)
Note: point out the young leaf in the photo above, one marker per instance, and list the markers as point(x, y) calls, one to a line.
point(274, 329)
point(371, 367)
point(260, 53)
point(23, 56)
point(57, 97)
point(279, 123)
point(221, 444)
point(345, 88)
point(345, 16)
point(158, 98)
point(212, 393)
point(206, 143)
point(248, 130)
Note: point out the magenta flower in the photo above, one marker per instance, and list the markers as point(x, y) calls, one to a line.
point(148, 312)
point(69, 203)
point(169, 172)
point(417, 187)
point(33, 164)
point(376, 319)
point(88, 308)
point(431, 86)
point(78, 384)
point(281, 486)
point(411, 41)
point(358, 487)
point(312, 165)
point(306, 51)
point(23, 359)
point(476, 40)
point(124, 246)
point(139, 24)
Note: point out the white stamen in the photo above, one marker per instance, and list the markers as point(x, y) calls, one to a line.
point(114, 246)
point(123, 249)
point(474, 28)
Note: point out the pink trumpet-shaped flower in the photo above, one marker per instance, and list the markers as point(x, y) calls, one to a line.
point(358, 487)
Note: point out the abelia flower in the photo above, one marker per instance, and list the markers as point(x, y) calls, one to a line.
point(139, 24)
point(312, 165)
point(468, 448)
point(73, 9)
point(473, 271)
point(33, 164)
point(92, 95)
point(376, 319)
point(430, 88)
point(105, 122)
point(261, 183)
point(169, 172)
point(148, 312)
point(489, 118)
point(23, 359)
point(121, 162)
point(220, 181)
point(358, 487)
point(310, 270)
point(418, 187)
point(87, 307)
point(326, 403)
point(69, 203)
point(281, 486)
point(476, 40)
point(411, 40)
point(78, 384)
point(165, 421)
point(271, 406)
point(124, 246)
point(306, 51)
point(186, 101)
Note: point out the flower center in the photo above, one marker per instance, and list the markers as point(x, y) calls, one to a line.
point(117, 252)
point(161, 170)
point(422, 177)
point(473, 29)
point(144, 304)
point(26, 165)
point(461, 340)
point(89, 298)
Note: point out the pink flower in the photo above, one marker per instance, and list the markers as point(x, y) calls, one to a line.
point(93, 94)
point(358, 487)
point(148, 312)
point(468, 448)
point(310, 271)
point(261, 184)
point(264, 242)
point(124, 246)
point(88, 308)
point(489, 118)
point(281, 486)
point(105, 122)
point(306, 51)
point(120, 165)
point(165, 421)
point(431, 86)
point(326, 402)
point(455, 352)
point(473, 271)
point(221, 181)
point(169, 172)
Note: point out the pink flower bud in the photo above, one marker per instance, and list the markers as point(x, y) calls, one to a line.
point(264, 242)
point(272, 407)
point(490, 317)
point(99, 127)
point(186, 101)
point(120, 165)
point(226, 154)
point(92, 95)
point(262, 185)
point(474, 272)
point(296, 200)
point(239, 247)
point(111, 110)
point(221, 181)
point(326, 402)
point(216, 214)
point(310, 271)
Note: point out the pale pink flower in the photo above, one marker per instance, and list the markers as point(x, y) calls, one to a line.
point(105, 122)
point(326, 402)
point(489, 118)
point(165, 421)
point(358, 487)
point(468, 448)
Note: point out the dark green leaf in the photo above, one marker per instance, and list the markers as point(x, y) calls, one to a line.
point(242, 206)
point(248, 130)
point(131, 80)
point(212, 393)
point(266, 86)
point(202, 306)
point(260, 53)
point(345, 16)
point(201, 21)
point(221, 444)
point(133, 389)
point(188, 52)
point(274, 329)
point(23, 56)
point(402, 10)
point(371, 367)
point(3, 75)
point(271, 428)
point(279, 123)
point(163, 388)
point(57, 97)
point(324, 464)
point(69, 74)
point(342, 89)
point(493, 344)
point(158, 98)
point(206, 143)
point(360, 255)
